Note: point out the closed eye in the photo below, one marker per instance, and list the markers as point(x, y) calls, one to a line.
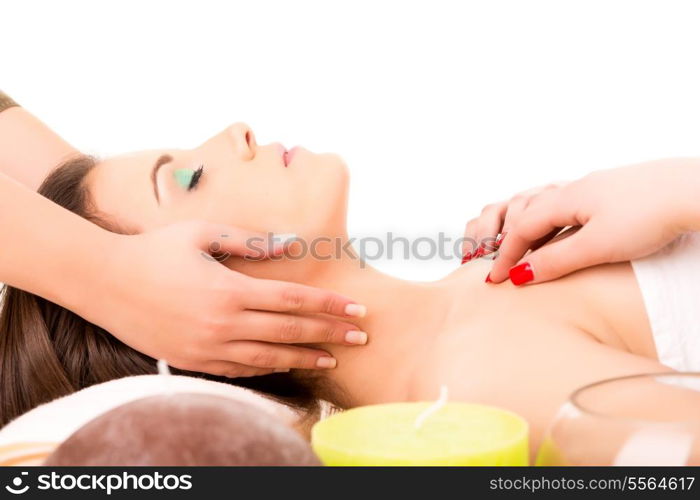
point(188, 178)
point(195, 178)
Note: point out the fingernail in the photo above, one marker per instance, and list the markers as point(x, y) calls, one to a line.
point(488, 278)
point(500, 238)
point(355, 310)
point(326, 362)
point(280, 370)
point(522, 273)
point(281, 240)
point(467, 257)
point(356, 337)
point(479, 252)
point(284, 238)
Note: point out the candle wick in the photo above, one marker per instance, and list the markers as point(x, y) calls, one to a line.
point(163, 368)
point(430, 410)
point(164, 372)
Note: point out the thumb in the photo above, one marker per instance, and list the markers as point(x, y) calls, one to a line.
point(580, 250)
point(220, 241)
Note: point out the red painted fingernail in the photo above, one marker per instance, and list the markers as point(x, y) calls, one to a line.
point(522, 273)
point(488, 278)
point(479, 252)
point(467, 257)
point(500, 238)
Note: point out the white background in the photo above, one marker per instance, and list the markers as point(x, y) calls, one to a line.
point(438, 107)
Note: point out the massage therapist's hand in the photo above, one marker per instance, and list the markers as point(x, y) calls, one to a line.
point(617, 215)
point(162, 294)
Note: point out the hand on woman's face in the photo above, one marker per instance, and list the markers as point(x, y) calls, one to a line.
point(229, 179)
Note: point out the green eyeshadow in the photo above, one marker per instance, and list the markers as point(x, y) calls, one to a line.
point(183, 176)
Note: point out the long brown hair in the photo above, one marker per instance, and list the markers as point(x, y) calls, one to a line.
point(47, 351)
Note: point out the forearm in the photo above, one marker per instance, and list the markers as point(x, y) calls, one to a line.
point(46, 249)
point(28, 148)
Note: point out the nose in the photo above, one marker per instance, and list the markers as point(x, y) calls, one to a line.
point(243, 140)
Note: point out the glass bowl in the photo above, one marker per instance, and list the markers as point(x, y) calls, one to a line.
point(647, 419)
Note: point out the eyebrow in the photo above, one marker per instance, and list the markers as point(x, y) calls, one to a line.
point(162, 160)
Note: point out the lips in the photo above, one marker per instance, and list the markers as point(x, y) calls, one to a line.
point(282, 152)
point(291, 153)
point(287, 155)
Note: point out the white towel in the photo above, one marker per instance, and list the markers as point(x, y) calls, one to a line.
point(670, 285)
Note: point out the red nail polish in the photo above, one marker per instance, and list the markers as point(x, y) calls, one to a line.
point(467, 257)
point(479, 252)
point(488, 278)
point(521, 274)
point(499, 240)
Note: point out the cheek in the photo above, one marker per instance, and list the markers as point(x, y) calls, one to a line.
point(312, 202)
point(263, 203)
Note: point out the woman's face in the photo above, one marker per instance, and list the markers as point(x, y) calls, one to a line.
point(229, 179)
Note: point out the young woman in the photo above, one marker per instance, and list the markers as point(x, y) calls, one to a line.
point(521, 348)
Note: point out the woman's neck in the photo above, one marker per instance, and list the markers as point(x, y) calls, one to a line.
point(403, 320)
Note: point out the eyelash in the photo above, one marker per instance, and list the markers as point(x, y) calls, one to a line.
point(195, 178)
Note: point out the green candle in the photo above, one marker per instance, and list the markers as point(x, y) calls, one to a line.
point(451, 434)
